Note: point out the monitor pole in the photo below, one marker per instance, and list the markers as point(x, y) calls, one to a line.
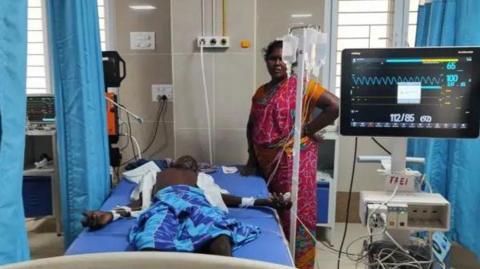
point(399, 155)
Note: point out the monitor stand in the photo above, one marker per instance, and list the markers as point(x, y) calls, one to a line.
point(406, 181)
point(399, 155)
point(397, 176)
point(394, 167)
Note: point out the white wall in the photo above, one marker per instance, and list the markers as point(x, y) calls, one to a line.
point(230, 80)
point(366, 176)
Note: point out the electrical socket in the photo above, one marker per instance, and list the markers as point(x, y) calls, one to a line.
point(159, 90)
point(392, 219)
point(213, 42)
point(401, 211)
point(377, 213)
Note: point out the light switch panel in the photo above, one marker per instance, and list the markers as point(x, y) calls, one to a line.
point(142, 40)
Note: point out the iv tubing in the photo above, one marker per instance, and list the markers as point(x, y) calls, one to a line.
point(207, 106)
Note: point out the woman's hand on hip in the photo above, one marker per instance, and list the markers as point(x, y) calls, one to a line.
point(315, 136)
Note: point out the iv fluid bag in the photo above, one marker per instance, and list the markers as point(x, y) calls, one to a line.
point(289, 51)
point(314, 44)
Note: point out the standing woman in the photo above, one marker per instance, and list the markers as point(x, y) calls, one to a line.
point(270, 142)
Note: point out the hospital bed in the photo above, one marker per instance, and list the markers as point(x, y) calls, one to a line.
point(144, 260)
point(271, 246)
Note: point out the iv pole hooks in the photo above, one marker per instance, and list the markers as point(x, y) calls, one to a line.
point(305, 26)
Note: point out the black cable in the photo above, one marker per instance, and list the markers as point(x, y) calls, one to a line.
point(381, 146)
point(128, 140)
point(157, 123)
point(161, 110)
point(164, 125)
point(348, 201)
point(130, 136)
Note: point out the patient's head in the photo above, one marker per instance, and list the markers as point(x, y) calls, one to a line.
point(186, 162)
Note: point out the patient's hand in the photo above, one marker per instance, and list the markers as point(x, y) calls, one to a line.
point(96, 219)
point(279, 202)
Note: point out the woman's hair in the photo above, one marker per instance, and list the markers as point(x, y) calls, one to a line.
point(276, 44)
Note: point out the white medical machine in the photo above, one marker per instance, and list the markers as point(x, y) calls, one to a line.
point(400, 93)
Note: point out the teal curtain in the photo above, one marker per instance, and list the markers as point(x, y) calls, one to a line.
point(13, 57)
point(453, 164)
point(81, 109)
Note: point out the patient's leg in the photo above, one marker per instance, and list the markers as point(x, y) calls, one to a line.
point(221, 245)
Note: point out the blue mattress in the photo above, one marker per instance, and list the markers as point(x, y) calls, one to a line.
point(271, 245)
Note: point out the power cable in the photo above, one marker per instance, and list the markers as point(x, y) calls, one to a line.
point(157, 123)
point(160, 112)
point(348, 202)
point(381, 146)
point(130, 136)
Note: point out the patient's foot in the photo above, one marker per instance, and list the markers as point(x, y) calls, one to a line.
point(96, 219)
point(221, 245)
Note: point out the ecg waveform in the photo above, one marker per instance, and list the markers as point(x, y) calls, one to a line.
point(394, 80)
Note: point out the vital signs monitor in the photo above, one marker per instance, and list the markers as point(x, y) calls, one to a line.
point(413, 92)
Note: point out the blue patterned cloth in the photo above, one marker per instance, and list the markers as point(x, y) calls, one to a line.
point(181, 219)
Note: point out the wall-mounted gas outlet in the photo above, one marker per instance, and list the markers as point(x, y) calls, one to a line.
point(213, 42)
point(160, 90)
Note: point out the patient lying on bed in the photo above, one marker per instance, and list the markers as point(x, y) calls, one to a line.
point(184, 214)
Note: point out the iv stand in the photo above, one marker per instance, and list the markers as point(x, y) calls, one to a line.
point(297, 136)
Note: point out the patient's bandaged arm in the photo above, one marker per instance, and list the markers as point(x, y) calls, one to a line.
point(145, 176)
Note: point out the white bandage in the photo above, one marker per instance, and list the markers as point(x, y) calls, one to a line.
point(213, 192)
point(145, 176)
point(247, 202)
point(125, 208)
point(115, 215)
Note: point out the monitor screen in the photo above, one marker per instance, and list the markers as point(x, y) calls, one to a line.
point(411, 92)
point(41, 109)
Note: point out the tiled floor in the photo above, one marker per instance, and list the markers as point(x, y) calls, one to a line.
point(45, 243)
point(464, 259)
point(42, 238)
point(327, 259)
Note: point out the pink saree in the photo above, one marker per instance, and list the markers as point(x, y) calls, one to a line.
point(272, 116)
